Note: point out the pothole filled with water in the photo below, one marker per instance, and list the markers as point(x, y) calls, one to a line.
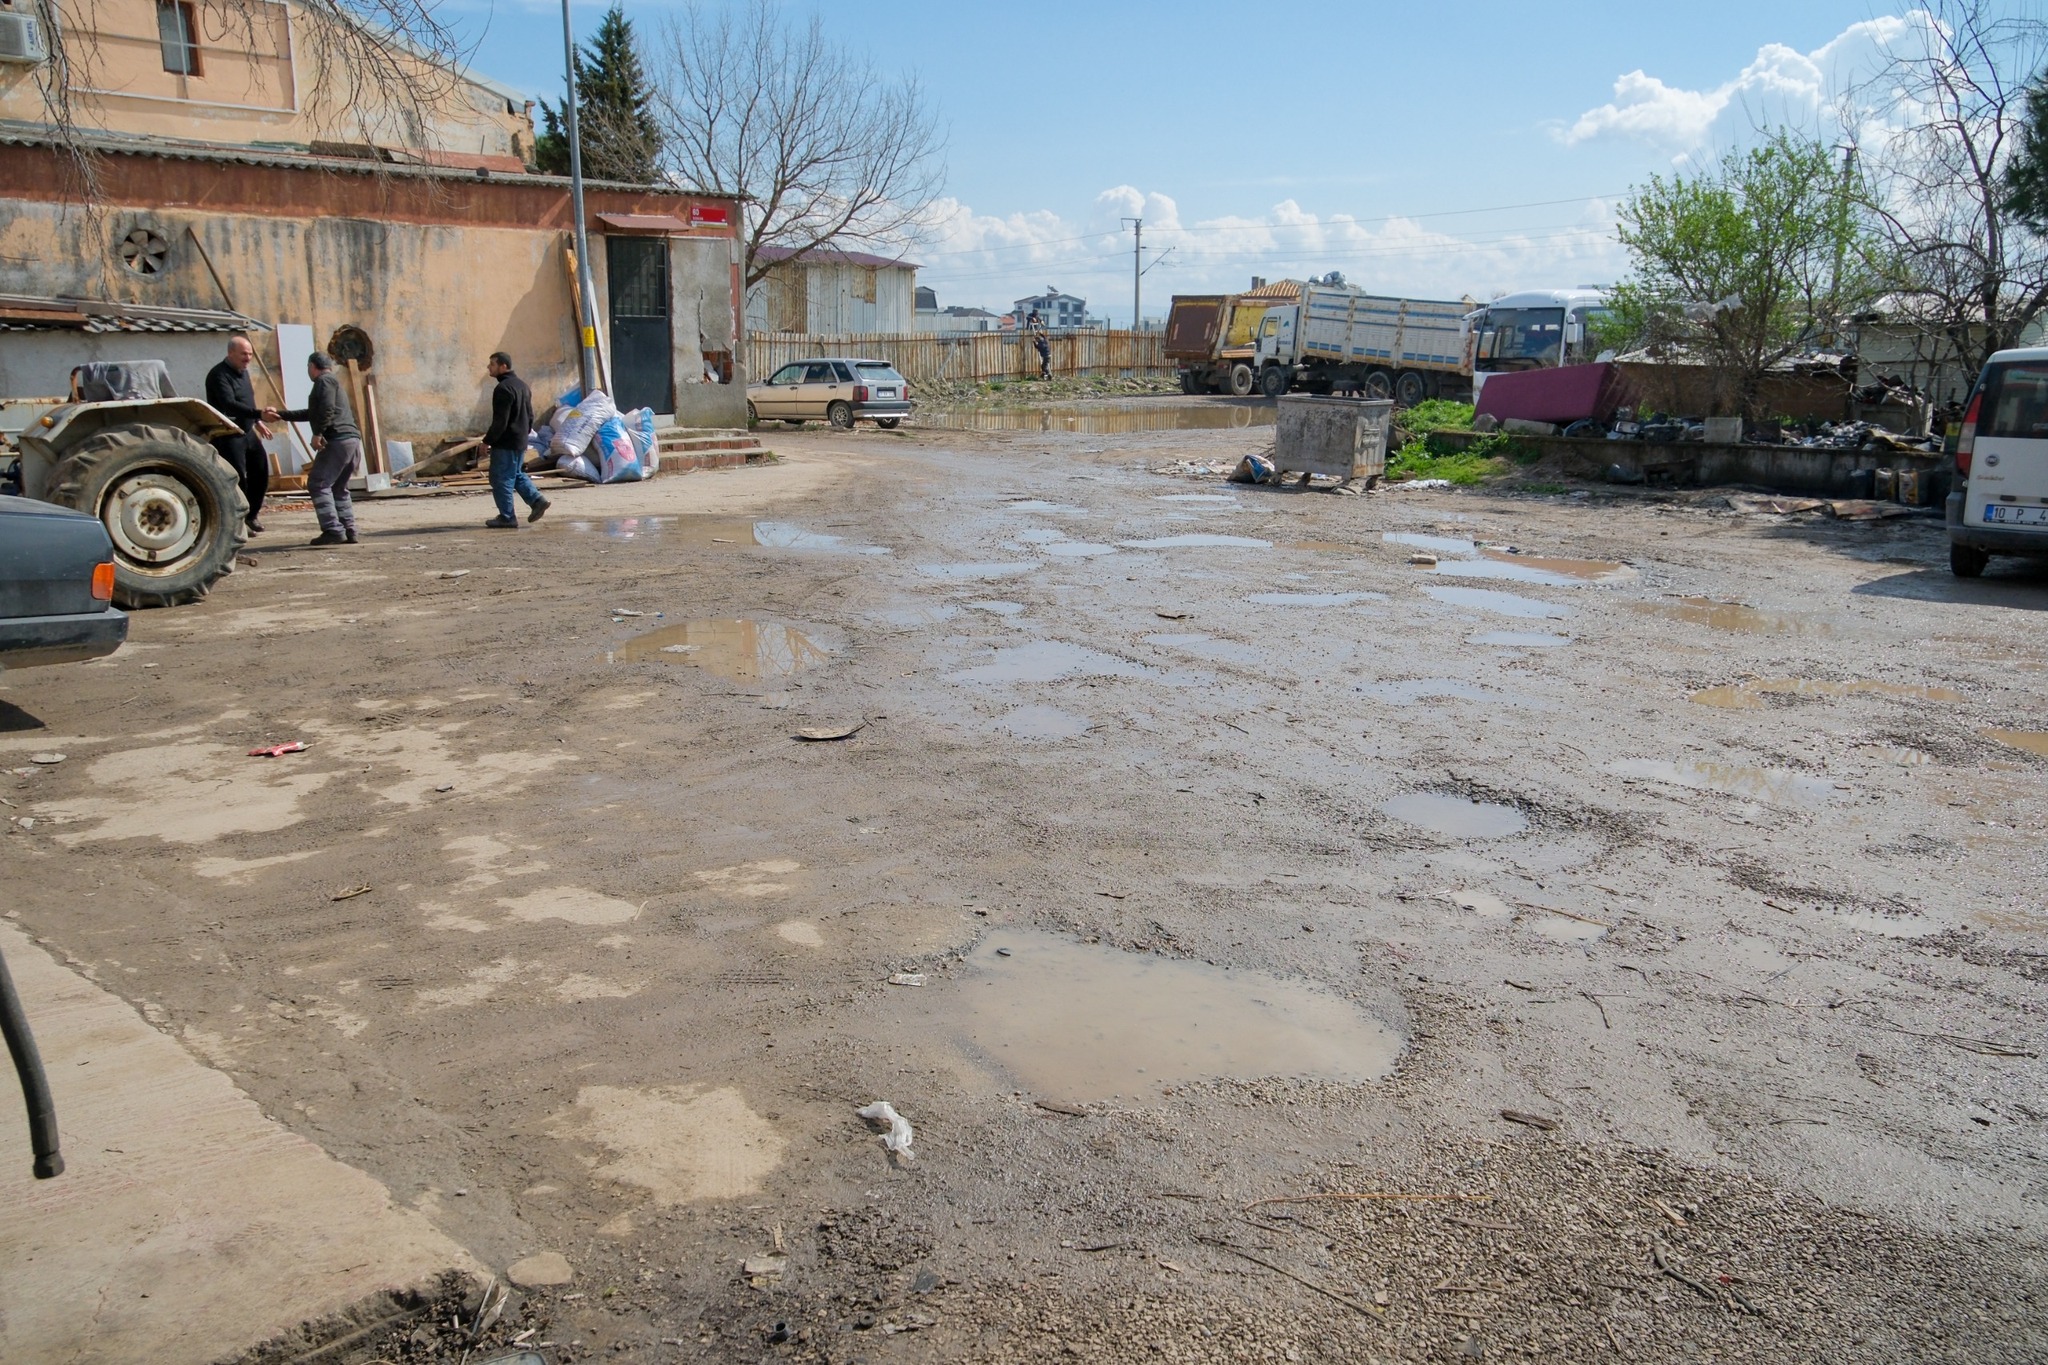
point(1499, 603)
point(1734, 617)
point(1049, 661)
point(1456, 816)
point(736, 648)
point(1080, 1022)
point(1459, 558)
point(1781, 786)
point(1198, 541)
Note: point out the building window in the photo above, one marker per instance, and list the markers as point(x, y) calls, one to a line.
point(178, 33)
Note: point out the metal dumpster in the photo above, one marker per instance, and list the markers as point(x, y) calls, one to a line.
point(1344, 437)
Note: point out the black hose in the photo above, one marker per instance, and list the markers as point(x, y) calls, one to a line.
point(35, 1086)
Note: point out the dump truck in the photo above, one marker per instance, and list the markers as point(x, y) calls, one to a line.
point(1339, 340)
point(145, 468)
point(1212, 339)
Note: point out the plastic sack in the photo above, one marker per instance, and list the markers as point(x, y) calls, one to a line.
point(897, 1139)
point(1255, 469)
point(616, 458)
point(640, 426)
point(576, 425)
point(535, 454)
point(578, 467)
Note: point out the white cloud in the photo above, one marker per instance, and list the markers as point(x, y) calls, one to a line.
point(1780, 86)
point(971, 258)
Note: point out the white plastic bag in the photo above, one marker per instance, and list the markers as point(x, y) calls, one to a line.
point(578, 467)
point(616, 458)
point(897, 1139)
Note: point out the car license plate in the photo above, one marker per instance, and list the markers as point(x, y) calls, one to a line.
point(2016, 516)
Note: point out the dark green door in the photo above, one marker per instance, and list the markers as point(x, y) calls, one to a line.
point(643, 350)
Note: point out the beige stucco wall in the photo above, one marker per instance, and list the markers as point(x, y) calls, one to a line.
point(259, 84)
point(435, 301)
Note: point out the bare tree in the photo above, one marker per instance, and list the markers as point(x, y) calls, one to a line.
point(1936, 128)
point(824, 147)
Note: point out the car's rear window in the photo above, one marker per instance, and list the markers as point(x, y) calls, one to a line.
point(875, 372)
point(2015, 400)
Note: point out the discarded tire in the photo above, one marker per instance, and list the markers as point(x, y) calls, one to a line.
point(170, 503)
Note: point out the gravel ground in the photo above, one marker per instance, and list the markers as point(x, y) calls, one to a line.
point(1677, 833)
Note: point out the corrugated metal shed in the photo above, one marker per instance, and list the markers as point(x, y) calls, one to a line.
point(33, 313)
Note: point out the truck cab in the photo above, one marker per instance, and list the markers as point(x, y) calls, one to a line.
point(1535, 329)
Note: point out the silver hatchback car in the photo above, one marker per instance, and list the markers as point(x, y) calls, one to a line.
point(841, 392)
point(2000, 505)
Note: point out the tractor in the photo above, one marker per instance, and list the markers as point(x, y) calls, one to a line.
point(146, 469)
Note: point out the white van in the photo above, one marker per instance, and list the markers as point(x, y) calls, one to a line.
point(2000, 504)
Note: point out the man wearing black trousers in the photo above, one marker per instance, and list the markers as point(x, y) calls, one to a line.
point(228, 393)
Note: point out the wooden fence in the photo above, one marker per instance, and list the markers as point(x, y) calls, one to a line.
point(925, 357)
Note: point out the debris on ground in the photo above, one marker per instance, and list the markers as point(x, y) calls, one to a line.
point(297, 746)
point(47, 759)
point(818, 734)
point(898, 1138)
point(907, 979)
point(541, 1270)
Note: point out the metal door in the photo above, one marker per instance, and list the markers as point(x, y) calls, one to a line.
point(643, 350)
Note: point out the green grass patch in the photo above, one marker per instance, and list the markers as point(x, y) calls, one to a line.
point(1435, 414)
point(1489, 457)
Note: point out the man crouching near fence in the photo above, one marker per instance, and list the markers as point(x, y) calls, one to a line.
point(337, 446)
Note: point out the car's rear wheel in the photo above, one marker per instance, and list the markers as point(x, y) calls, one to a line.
point(888, 423)
point(753, 415)
point(840, 415)
point(1966, 561)
point(172, 506)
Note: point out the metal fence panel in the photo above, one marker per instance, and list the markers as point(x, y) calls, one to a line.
point(925, 357)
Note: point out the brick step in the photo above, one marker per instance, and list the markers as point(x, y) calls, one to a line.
point(683, 462)
point(705, 443)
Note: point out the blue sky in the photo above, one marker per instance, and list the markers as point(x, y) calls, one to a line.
point(1437, 150)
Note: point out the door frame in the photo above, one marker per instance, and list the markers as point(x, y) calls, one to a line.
point(667, 405)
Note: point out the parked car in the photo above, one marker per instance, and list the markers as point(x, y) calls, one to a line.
point(56, 586)
point(841, 392)
point(2000, 503)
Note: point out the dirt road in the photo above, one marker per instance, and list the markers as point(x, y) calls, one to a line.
point(1648, 915)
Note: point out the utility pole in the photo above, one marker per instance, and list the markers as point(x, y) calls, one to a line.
point(1137, 269)
point(586, 325)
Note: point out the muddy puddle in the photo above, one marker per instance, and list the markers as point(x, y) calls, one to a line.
point(1209, 647)
point(739, 649)
point(976, 572)
point(1499, 603)
point(1313, 599)
point(1202, 499)
point(1075, 549)
point(1733, 617)
point(716, 533)
point(1076, 1022)
point(1042, 722)
point(2031, 741)
point(1049, 661)
point(1455, 816)
point(1104, 419)
point(1041, 505)
point(1196, 541)
point(1749, 695)
point(1780, 786)
point(1460, 558)
point(1518, 639)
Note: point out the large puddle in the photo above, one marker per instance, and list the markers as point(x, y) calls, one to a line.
point(1780, 786)
point(1749, 696)
point(1104, 419)
point(2031, 741)
point(739, 649)
point(1196, 541)
point(1499, 603)
point(1075, 1022)
point(713, 533)
point(1459, 558)
point(1734, 617)
point(1456, 816)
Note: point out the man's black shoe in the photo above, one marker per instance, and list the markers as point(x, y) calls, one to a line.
point(255, 527)
point(350, 533)
point(502, 523)
point(538, 510)
point(329, 538)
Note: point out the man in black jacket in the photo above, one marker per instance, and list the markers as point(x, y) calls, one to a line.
point(229, 393)
point(337, 445)
point(511, 424)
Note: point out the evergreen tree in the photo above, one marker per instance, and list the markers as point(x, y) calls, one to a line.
point(614, 111)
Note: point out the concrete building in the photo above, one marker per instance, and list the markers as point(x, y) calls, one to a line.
point(1058, 311)
point(829, 292)
point(243, 183)
point(934, 320)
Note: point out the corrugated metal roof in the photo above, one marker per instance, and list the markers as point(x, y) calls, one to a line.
point(18, 314)
point(1280, 290)
point(832, 255)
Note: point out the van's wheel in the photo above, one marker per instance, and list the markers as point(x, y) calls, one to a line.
point(172, 506)
point(1966, 561)
point(1378, 384)
point(1241, 380)
point(840, 415)
point(1410, 388)
point(888, 423)
point(1273, 381)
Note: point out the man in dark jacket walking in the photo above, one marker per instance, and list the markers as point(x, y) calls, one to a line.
point(337, 445)
point(229, 393)
point(511, 424)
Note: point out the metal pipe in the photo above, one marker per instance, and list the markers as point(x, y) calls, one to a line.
point(587, 324)
point(35, 1086)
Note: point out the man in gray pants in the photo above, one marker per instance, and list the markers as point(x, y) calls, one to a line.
point(337, 443)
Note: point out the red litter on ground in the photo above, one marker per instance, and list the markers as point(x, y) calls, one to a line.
point(297, 746)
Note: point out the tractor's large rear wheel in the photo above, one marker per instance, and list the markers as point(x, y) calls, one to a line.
point(170, 503)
